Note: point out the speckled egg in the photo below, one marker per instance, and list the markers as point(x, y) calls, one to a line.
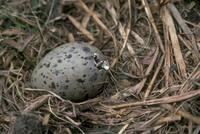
point(75, 71)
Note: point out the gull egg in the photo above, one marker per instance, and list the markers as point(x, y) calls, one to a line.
point(75, 71)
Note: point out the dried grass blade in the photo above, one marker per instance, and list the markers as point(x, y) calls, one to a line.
point(170, 118)
point(80, 27)
point(185, 28)
point(12, 31)
point(39, 101)
point(195, 75)
point(189, 116)
point(149, 69)
point(182, 113)
point(154, 78)
point(175, 43)
point(2, 81)
point(150, 16)
point(95, 17)
point(138, 38)
point(87, 17)
point(101, 24)
point(124, 33)
point(168, 79)
point(164, 100)
point(112, 12)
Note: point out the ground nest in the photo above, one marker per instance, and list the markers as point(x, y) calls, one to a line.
point(153, 48)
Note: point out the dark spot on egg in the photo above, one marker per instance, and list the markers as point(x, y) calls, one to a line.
point(51, 58)
point(82, 57)
point(56, 72)
point(34, 79)
point(41, 66)
point(88, 58)
point(66, 80)
point(72, 49)
point(57, 85)
point(75, 52)
point(86, 49)
point(84, 75)
point(53, 85)
point(45, 82)
point(55, 65)
point(72, 68)
point(47, 65)
point(68, 56)
point(66, 86)
point(93, 77)
point(80, 81)
point(85, 63)
point(42, 74)
point(59, 61)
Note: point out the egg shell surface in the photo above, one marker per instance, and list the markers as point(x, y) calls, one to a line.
point(70, 71)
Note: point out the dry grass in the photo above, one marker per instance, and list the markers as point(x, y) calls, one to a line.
point(154, 53)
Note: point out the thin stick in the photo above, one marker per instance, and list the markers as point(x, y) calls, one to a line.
point(149, 69)
point(68, 118)
point(182, 113)
point(150, 16)
point(164, 100)
point(79, 26)
point(154, 78)
point(123, 128)
point(40, 101)
point(175, 43)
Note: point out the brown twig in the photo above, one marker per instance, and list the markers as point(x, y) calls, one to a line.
point(164, 100)
point(39, 102)
point(80, 27)
point(175, 43)
point(150, 16)
point(154, 78)
point(149, 69)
